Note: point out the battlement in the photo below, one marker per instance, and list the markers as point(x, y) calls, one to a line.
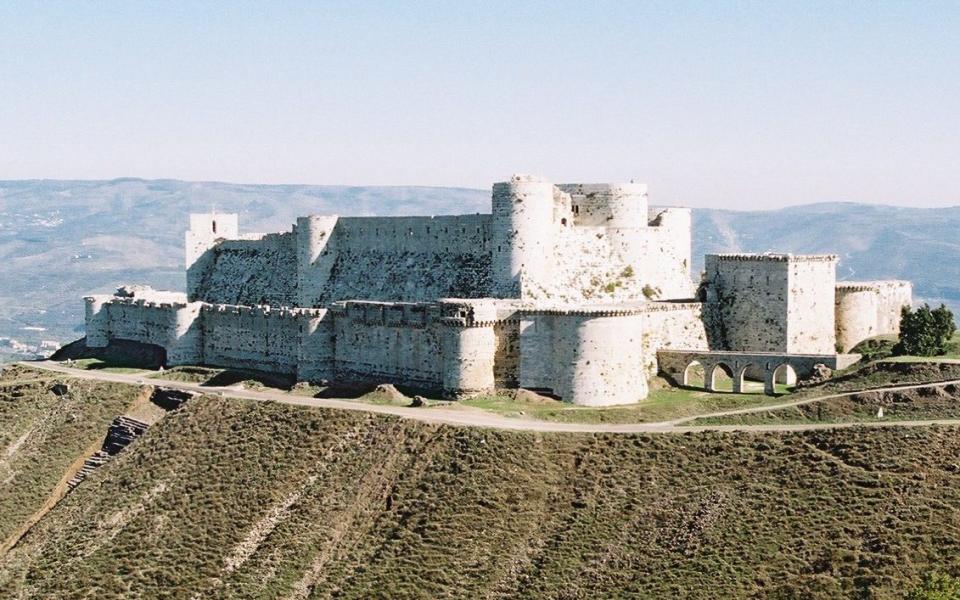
point(571, 287)
point(775, 257)
point(862, 286)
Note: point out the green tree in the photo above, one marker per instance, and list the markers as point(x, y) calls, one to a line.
point(925, 331)
point(936, 587)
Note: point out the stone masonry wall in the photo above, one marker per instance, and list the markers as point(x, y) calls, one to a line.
point(383, 342)
point(247, 272)
point(869, 308)
point(810, 311)
point(570, 355)
point(669, 325)
point(259, 337)
point(893, 295)
point(173, 325)
point(408, 259)
point(773, 303)
point(750, 294)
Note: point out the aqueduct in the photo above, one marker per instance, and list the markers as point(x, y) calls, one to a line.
point(772, 367)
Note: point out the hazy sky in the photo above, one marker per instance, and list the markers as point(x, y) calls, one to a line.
point(735, 104)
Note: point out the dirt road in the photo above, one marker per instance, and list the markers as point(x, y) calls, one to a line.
point(477, 418)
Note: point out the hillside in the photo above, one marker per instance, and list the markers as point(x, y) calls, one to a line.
point(60, 240)
point(229, 498)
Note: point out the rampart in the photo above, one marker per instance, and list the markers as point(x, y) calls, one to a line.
point(570, 289)
point(866, 309)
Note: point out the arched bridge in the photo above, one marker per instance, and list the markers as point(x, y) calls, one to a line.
point(772, 367)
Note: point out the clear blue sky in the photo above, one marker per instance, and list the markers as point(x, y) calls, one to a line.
point(737, 104)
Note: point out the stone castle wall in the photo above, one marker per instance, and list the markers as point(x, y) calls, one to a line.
point(675, 325)
point(569, 355)
point(259, 337)
point(868, 309)
point(171, 324)
point(570, 288)
point(591, 243)
point(773, 303)
point(388, 342)
point(247, 272)
point(751, 295)
point(587, 242)
point(329, 259)
point(412, 259)
point(810, 314)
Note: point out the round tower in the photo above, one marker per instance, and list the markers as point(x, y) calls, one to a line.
point(315, 257)
point(467, 357)
point(856, 314)
point(522, 236)
point(626, 204)
point(185, 341)
point(604, 361)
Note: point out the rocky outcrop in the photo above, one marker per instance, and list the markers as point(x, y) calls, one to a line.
point(170, 399)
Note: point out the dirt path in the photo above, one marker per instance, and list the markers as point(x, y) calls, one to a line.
point(494, 421)
point(60, 490)
point(802, 401)
point(58, 493)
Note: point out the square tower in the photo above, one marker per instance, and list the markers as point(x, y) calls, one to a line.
point(206, 230)
point(780, 303)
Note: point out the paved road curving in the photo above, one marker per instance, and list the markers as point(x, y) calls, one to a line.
point(478, 418)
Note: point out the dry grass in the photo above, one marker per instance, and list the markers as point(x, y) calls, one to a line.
point(323, 503)
point(41, 434)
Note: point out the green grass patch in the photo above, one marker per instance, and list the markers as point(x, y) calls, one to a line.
point(664, 403)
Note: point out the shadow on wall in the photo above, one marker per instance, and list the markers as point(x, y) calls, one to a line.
point(117, 353)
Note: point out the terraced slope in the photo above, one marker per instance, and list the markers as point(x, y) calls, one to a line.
point(229, 498)
point(44, 429)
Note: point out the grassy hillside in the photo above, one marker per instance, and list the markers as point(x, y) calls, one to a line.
point(230, 498)
point(42, 433)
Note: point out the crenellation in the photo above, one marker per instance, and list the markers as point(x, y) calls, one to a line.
point(569, 289)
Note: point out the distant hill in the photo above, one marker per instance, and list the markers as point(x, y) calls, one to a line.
point(873, 242)
point(60, 240)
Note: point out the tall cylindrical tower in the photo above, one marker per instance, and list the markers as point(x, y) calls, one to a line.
point(315, 257)
point(185, 334)
point(856, 315)
point(602, 360)
point(522, 235)
point(467, 359)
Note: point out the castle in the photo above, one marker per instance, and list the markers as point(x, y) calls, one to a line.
point(579, 290)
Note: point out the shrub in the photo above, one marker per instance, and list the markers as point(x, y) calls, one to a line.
point(936, 587)
point(925, 331)
point(875, 348)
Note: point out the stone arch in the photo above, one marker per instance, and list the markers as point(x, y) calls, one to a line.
point(785, 373)
point(711, 374)
point(689, 374)
point(740, 378)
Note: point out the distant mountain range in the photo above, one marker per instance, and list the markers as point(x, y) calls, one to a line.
point(60, 240)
